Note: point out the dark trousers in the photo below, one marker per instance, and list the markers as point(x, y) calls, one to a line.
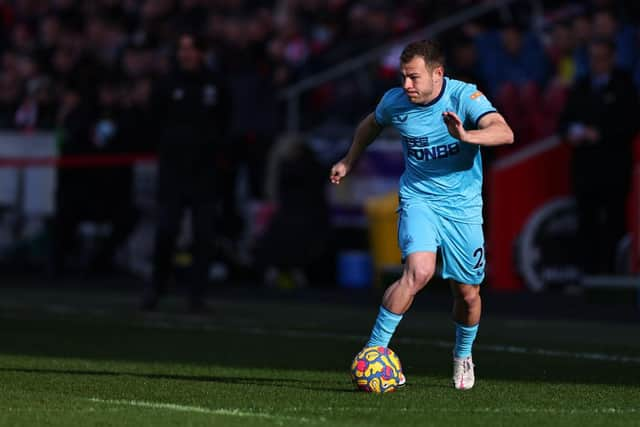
point(601, 195)
point(169, 219)
point(601, 225)
point(601, 181)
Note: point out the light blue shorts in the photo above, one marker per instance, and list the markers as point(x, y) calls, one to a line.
point(461, 245)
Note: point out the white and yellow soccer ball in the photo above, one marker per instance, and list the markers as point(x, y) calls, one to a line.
point(377, 370)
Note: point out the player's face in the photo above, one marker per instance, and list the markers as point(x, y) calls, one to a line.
point(420, 81)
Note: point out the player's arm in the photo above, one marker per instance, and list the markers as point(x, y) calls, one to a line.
point(492, 129)
point(366, 133)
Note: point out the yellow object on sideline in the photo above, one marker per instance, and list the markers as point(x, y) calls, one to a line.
point(383, 232)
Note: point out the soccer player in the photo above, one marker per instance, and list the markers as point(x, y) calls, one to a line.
point(443, 123)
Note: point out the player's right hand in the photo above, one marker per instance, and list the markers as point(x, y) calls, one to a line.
point(339, 171)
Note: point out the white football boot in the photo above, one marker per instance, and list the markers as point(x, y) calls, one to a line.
point(463, 376)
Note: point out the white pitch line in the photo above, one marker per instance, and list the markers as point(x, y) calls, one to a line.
point(485, 410)
point(201, 410)
point(498, 348)
point(511, 349)
point(199, 324)
point(604, 357)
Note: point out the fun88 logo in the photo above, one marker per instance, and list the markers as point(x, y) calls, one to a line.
point(418, 148)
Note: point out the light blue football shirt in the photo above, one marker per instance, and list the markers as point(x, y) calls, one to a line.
point(440, 170)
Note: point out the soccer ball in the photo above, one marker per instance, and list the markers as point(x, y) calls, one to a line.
point(377, 370)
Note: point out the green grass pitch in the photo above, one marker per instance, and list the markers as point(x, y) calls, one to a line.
point(89, 359)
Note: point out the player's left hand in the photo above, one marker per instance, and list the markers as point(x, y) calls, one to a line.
point(454, 125)
point(339, 171)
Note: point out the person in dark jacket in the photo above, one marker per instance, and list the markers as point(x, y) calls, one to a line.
point(89, 193)
point(74, 186)
point(599, 122)
point(191, 106)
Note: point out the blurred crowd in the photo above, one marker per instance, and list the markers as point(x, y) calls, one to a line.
point(261, 45)
point(89, 69)
point(528, 71)
point(525, 59)
point(93, 71)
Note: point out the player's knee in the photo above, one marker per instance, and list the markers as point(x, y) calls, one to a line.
point(417, 278)
point(470, 299)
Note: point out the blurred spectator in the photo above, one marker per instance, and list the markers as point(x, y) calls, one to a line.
point(98, 195)
point(9, 91)
point(49, 36)
point(138, 129)
point(114, 184)
point(609, 27)
point(297, 236)
point(255, 119)
point(599, 123)
point(560, 51)
point(581, 29)
point(561, 45)
point(516, 73)
point(462, 63)
point(192, 108)
point(38, 108)
point(605, 24)
point(74, 187)
point(514, 57)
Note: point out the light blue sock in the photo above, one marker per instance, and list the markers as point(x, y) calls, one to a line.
point(383, 330)
point(464, 339)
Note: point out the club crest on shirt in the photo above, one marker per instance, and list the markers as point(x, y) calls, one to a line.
point(399, 118)
point(477, 94)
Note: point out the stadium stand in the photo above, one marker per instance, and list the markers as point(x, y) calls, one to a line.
point(100, 59)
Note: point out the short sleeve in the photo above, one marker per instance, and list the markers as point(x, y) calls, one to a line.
point(475, 105)
point(382, 115)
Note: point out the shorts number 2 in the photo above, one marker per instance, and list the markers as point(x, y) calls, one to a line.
point(478, 253)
